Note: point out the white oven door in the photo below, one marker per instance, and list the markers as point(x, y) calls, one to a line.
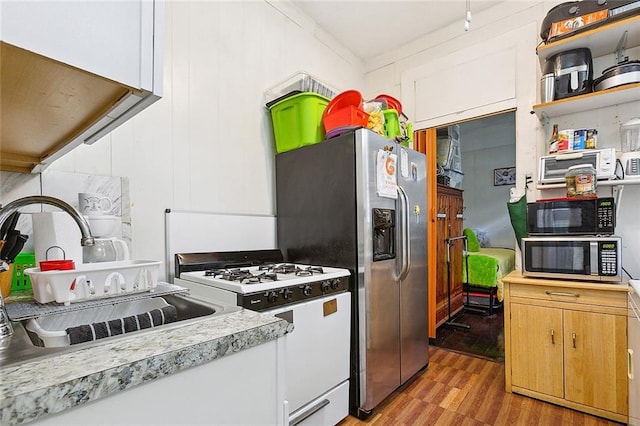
point(317, 359)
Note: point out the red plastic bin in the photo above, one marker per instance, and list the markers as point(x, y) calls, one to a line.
point(348, 116)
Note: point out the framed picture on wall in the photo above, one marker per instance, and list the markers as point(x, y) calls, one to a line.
point(504, 176)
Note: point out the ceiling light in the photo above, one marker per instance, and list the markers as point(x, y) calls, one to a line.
point(467, 21)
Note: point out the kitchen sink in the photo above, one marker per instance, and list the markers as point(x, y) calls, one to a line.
point(25, 345)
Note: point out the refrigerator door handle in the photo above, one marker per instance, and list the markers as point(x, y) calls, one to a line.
point(405, 255)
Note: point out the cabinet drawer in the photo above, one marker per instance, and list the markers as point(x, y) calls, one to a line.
point(584, 296)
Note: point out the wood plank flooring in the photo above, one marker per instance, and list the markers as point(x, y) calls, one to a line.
point(458, 389)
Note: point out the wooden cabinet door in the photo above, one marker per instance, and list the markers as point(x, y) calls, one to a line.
point(457, 247)
point(448, 224)
point(595, 362)
point(442, 226)
point(536, 349)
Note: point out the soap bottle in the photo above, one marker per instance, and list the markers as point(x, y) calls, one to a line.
point(553, 141)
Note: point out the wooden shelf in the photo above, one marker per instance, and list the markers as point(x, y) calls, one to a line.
point(614, 96)
point(601, 40)
point(612, 182)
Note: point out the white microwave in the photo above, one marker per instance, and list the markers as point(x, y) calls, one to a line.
point(554, 167)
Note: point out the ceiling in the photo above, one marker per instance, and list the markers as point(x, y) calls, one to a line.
point(374, 27)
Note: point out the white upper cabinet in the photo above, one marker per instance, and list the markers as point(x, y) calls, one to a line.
point(102, 37)
point(73, 71)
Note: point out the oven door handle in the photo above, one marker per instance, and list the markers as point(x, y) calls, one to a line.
point(298, 418)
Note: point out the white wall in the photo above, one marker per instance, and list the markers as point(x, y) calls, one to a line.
point(488, 144)
point(442, 55)
point(207, 145)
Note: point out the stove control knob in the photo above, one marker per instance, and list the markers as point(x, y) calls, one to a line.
point(306, 290)
point(325, 286)
point(335, 283)
point(272, 297)
point(286, 293)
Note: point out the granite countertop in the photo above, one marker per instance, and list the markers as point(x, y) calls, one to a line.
point(55, 383)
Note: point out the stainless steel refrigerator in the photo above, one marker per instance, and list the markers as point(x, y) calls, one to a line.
point(358, 201)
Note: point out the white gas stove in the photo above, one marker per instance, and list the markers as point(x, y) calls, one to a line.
point(259, 283)
point(315, 299)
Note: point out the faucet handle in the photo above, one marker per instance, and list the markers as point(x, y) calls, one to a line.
point(5, 324)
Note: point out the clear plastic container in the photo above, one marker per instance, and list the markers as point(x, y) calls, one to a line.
point(297, 83)
point(581, 181)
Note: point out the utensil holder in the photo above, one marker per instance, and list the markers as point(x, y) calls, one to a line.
point(6, 278)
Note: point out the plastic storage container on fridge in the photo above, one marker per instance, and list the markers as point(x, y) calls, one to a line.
point(391, 123)
point(297, 83)
point(297, 121)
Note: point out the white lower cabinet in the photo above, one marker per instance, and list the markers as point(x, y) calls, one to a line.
point(246, 388)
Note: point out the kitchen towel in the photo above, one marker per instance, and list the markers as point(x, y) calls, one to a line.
point(100, 330)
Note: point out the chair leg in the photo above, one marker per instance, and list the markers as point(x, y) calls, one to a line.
point(491, 302)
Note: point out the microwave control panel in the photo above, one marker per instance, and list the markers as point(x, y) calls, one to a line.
point(606, 215)
point(608, 254)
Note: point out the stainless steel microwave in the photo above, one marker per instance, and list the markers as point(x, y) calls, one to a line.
point(587, 216)
point(577, 258)
point(553, 167)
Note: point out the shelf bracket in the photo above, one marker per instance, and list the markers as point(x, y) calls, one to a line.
point(622, 44)
point(616, 191)
point(545, 118)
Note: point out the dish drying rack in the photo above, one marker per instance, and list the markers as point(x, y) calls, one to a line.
point(93, 281)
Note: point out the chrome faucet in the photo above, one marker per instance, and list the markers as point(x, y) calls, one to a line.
point(85, 230)
point(86, 240)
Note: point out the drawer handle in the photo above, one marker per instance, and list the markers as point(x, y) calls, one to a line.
point(559, 293)
point(298, 418)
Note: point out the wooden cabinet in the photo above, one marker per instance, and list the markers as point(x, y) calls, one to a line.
point(449, 224)
point(72, 72)
point(565, 343)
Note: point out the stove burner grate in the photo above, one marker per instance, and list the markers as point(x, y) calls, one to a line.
point(244, 276)
point(289, 268)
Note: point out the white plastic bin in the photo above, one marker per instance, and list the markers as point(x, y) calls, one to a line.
point(51, 329)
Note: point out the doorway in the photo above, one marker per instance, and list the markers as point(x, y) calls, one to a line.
point(487, 150)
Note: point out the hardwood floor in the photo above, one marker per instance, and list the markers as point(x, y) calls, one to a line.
point(484, 338)
point(458, 389)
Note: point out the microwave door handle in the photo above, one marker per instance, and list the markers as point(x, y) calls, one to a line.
point(593, 253)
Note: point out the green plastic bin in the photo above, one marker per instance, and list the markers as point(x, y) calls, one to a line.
point(297, 121)
point(20, 280)
point(391, 123)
